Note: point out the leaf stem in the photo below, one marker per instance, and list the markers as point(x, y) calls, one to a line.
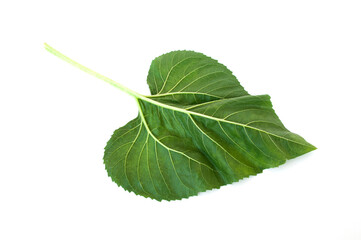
point(91, 72)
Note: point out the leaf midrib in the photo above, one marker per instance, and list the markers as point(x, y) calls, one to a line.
point(144, 98)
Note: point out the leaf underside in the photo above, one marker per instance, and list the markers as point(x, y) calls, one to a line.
point(198, 130)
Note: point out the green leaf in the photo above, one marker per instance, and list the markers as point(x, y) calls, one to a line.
point(198, 130)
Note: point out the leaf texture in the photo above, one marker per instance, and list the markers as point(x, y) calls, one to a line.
point(198, 130)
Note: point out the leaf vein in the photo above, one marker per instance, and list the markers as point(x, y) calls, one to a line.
point(171, 69)
point(180, 80)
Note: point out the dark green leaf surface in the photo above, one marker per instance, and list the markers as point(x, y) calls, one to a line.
point(199, 130)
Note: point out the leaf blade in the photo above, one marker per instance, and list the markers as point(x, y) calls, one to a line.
point(194, 140)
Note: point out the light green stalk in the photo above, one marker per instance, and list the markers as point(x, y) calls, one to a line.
point(91, 72)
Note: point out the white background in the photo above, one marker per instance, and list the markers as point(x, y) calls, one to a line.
point(55, 120)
